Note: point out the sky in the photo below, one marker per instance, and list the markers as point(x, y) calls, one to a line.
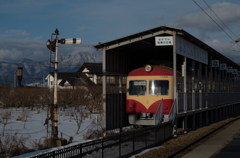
point(26, 25)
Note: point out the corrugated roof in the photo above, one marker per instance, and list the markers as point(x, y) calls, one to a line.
point(137, 40)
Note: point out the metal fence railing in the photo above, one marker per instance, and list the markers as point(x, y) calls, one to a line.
point(120, 145)
point(159, 113)
point(172, 114)
point(202, 100)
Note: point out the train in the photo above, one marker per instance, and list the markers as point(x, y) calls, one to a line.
point(146, 87)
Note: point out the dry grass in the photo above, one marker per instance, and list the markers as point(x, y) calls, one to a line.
point(13, 145)
point(175, 144)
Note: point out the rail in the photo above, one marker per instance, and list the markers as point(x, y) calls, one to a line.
point(159, 113)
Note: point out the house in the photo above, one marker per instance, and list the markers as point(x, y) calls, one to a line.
point(94, 72)
point(80, 81)
point(60, 76)
point(87, 74)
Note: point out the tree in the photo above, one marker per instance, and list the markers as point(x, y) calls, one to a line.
point(78, 118)
point(65, 98)
point(95, 99)
point(25, 116)
point(5, 116)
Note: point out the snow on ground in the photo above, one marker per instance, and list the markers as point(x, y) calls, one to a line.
point(145, 151)
point(35, 129)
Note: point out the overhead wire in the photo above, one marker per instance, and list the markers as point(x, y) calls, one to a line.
point(214, 21)
point(220, 19)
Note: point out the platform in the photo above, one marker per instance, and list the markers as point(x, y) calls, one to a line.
point(220, 145)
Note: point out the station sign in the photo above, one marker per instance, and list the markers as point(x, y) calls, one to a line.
point(234, 71)
point(223, 66)
point(164, 41)
point(238, 73)
point(229, 69)
point(191, 51)
point(215, 63)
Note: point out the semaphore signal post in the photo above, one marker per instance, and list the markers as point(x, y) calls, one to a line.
point(53, 46)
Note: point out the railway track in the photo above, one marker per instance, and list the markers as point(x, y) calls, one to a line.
point(184, 143)
point(200, 139)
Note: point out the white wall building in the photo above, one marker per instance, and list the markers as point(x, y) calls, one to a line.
point(61, 75)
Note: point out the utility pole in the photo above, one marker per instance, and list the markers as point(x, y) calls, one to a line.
point(35, 81)
point(43, 81)
point(15, 78)
point(55, 106)
point(233, 43)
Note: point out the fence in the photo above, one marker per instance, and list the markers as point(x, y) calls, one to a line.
point(206, 99)
point(159, 114)
point(120, 145)
point(172, 114)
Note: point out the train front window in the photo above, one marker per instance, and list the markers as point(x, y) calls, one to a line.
point(158, 87)
point(137, 87)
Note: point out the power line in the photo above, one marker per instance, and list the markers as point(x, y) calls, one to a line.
point(213, 20)
point(220, 19)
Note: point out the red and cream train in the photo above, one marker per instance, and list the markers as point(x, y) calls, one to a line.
point(146, 87)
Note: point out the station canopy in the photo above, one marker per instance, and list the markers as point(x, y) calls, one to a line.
point(138, 49)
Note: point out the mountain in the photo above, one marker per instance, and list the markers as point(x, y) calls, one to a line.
point(34, 71)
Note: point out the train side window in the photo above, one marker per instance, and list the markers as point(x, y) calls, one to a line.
point(137, 87)
point(158, 87)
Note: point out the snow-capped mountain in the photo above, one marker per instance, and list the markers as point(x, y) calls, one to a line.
point(34, 71)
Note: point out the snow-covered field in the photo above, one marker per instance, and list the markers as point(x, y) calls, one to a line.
point(35, 129)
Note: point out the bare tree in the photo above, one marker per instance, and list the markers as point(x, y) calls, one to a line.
point(78, 118)
point(65, 98)
point(13, 145)
point(5, 116)
point(25, 116)
point(95, 99)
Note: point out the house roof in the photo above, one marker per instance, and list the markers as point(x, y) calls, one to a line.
point(62, 75)
point(82, 80)
point(94, 68)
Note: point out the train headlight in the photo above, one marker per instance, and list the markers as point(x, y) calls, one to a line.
point(148, 68)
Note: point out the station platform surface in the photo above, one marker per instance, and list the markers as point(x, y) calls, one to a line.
point(224, 144)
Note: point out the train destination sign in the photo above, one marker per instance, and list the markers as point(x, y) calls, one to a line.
point(215, 63)
point(223, 66)
point(229, 69)
point(139, 83)
point(191, 51)
point(234, 71)
point(164, 41)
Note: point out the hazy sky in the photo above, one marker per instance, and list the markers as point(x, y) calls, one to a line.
point(26, 25)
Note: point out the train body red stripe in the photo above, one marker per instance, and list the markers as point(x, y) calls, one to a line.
point(136, 107)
